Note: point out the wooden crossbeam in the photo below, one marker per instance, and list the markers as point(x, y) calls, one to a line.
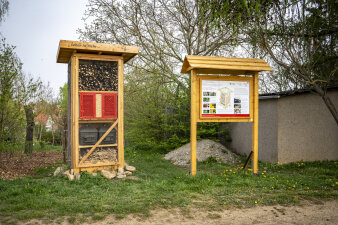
point(99, 142)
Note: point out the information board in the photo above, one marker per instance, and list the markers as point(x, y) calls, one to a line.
point(225, 98)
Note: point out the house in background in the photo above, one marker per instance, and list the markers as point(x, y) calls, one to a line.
point(293, 126)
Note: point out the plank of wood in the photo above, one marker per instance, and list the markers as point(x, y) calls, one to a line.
point(120, 132)
point(99, 142)
point(193, 122)
point(76, 111)
point(95, 121)
point(98, 92)
point(89, 146)
point(255, 127)
point(73, 105)
point(231, 67)
point(213, 63)
point(66, 49)
point(234, 63)
point(98, 57)
point(223, 71)
point(225, 78)
point(82, 165)
point(220, 58)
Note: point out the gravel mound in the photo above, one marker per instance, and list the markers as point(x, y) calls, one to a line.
point(205, 148)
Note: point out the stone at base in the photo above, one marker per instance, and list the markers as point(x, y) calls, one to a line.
point(77, 176)
point(121, 176)
point(70, 177)
point(130, 168)
point(58, 171)
point(120, 170)
point(108, 174)
point(127, 173)
point(66, 173)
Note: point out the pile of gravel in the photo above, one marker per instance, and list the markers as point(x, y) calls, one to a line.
point(205, 148)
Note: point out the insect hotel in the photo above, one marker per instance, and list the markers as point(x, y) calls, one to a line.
point(95, 103)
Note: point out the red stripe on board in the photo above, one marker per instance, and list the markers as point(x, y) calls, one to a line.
point(225, 115)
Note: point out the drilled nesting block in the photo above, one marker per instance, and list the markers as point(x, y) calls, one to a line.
point(95, 75)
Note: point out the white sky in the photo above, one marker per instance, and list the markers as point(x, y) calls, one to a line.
point(35, 27)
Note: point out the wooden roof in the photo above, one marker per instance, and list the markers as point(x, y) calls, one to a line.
point(67, 48)
point(227, 65)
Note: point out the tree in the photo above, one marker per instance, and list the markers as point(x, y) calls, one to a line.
point(299, 36)
point(31, 91)
point(10, 113)
point(4, 4)
point(63, 117)
point(165, 32)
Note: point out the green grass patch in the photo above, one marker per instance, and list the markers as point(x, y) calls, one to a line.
point(217, 186)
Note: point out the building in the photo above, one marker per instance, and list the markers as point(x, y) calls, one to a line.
point(293, 126)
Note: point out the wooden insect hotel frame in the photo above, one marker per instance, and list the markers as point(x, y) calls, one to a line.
point(223, 90)
point(95, 103)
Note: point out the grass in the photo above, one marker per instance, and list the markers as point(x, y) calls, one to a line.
point(46, 147)
point(217, 186)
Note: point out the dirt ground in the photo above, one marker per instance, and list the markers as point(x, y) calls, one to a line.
point(326, 213)
point(18, 164)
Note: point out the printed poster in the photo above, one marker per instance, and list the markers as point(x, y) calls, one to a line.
point(225, 98)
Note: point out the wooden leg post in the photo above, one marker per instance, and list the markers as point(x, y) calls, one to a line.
point(255, 127)
point(120, 130)
point(193, 123)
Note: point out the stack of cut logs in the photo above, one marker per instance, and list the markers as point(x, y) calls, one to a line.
point(101, 154)
point(98, 76)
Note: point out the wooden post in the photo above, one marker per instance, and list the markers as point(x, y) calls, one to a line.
point(193, 122)
point(73, 106)
point(120, 132)
point(255, 126)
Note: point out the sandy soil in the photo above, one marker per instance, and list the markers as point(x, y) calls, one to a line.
point(326, 213)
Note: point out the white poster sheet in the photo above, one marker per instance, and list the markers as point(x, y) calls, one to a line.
point(225, 98)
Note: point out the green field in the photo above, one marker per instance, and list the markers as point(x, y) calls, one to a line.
point(217, 186)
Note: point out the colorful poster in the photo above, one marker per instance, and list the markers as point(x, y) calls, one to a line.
point(225, 98)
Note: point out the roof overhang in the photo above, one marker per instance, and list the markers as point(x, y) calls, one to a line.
point(226, 65)
point(67, 48)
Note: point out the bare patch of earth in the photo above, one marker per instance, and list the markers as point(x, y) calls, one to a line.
point(17, 164)
point(318, 214)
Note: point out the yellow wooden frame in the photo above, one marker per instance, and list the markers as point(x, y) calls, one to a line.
point(78, 165)
point(195, 113)
point(229, 66)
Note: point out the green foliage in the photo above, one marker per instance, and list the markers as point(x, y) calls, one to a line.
point(11, 114)
point(156, 115)
point(161, 185)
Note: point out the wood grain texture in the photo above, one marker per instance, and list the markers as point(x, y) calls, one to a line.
point(255, 127)
point(212, 64)
point(66, 49)
point(120, 131)
point(193, 123)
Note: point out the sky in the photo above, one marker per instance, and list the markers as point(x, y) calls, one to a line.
point(35, 27)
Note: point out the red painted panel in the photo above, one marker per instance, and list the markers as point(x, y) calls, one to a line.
point(87, 105)
point(109, 105)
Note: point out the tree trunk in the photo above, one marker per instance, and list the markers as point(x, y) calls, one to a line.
point(329, 104)
point(29, 129)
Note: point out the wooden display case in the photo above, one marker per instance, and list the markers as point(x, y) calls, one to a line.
point(95, 101)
